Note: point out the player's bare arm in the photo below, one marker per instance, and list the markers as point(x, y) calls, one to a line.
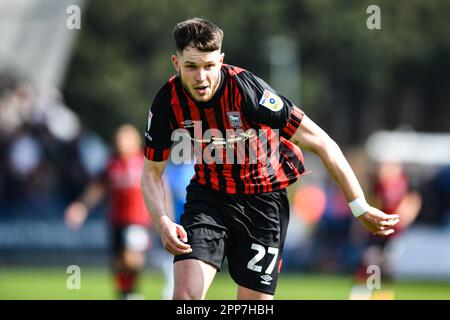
point(173, 236)
point(311, 137)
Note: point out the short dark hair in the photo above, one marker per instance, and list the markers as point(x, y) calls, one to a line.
point(198, 33)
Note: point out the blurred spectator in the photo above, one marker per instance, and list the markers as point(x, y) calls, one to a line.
point(38, 139)
point(436, 199)
point(393, 192)
point(332, 232)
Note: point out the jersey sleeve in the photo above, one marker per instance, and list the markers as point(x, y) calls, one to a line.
point(264, 105)
point(158, 132)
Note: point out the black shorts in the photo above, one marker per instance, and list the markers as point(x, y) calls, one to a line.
point(132, 237)
point(247, 229)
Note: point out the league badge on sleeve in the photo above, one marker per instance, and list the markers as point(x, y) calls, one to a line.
point(271, 101)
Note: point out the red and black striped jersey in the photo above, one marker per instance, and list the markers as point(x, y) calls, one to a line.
point(240, 137)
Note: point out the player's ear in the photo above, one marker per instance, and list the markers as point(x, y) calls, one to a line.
point(175, 62)
point(222, 56)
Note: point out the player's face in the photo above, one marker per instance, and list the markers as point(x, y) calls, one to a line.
point(199, 71)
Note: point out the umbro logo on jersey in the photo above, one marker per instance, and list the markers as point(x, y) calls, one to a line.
point(235, 119)
point(187, 123)
point(266, 279)
point(271, 101)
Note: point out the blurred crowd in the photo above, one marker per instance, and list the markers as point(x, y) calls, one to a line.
point(43, 158)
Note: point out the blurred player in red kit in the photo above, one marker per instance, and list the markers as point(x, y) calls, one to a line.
point(128, 217)
point(392, 192)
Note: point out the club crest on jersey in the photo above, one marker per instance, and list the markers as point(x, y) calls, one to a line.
point(271, 101)
point(235, 119)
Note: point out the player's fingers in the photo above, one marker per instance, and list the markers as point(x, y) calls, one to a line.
point(384, 232)
point(169, 248)
point(389, 223)
point(390, 216)
point(177, 243)
point(172, 248)
point(182, 233)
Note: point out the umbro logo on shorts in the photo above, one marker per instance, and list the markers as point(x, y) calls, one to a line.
point(266, 279)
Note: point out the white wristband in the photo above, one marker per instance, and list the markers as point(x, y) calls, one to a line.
point(359, 206)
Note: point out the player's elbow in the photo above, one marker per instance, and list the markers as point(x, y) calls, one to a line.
point(325, 147)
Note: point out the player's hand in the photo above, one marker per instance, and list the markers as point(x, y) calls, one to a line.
point(173, 236)
point(75, 215)
point(378, 222)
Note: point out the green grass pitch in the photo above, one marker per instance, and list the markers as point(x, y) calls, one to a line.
point(96, 283)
